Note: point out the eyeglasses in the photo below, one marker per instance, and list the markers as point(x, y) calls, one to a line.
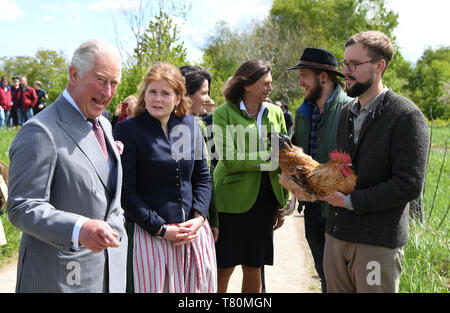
point(352, 64)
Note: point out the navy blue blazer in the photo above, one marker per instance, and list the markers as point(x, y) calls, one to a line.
point(164, 179)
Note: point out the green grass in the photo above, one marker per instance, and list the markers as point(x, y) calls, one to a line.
point(12, 234)
point(6, 137)
point(427, 257)
point(426, 260)
point(439, 134)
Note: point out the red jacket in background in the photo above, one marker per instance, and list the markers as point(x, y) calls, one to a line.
point(29, 98)
point(5, 98)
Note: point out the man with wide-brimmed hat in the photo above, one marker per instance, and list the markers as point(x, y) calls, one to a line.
point(315, 130)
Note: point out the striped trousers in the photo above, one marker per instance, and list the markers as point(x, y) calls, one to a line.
point(159, 266)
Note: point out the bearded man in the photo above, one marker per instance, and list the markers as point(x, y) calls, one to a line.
point(387, 138)
point(315, 130)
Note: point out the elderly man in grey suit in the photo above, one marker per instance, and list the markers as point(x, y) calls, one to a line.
point(65, 185)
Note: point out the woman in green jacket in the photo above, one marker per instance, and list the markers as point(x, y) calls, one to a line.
point(248, 195)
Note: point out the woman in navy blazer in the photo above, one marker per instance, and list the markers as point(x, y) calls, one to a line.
point(167, 189)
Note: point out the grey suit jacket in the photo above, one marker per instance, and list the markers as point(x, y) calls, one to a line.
point(57, 174)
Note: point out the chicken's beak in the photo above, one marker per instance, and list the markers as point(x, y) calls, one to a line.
point(283, 140)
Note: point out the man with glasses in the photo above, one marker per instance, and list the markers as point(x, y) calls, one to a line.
point(387, 138)
point(315, 131)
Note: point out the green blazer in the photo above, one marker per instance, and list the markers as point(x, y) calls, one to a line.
point(242, 153)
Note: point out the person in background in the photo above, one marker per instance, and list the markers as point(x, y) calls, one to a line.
point(166, 191)
point(210, 106)
point(13, 113)
point(315, 131)
point(198, 81)
point(124, 110)
point(248, 194)
point(131, 108)
point(107, 114)
point(65, 183)
point(387, 138)
point(24, 99)
point(42, 98)
point(5, 101)
point(289, 120)
point(208, 117)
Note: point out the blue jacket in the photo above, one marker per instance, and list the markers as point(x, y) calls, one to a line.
point(162, 181)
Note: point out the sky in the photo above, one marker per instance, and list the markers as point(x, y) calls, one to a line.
point(29, 25)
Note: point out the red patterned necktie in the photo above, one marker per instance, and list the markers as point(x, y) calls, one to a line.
point(98, 132)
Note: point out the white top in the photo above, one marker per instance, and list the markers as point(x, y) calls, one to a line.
point(260, 113)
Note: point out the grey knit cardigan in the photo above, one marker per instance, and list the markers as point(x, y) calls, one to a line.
point(390, 159)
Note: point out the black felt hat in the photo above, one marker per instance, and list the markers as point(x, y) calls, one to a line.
point(318, 59)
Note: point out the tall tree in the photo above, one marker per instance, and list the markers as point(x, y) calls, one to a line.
point(292, 26)
point(329, 23)
point(47, 66)
point(159, 41)
point(428, 82)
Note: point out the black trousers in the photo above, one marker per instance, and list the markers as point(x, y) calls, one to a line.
point(315, 235)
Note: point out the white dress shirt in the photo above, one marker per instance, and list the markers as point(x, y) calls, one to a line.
point(260, 114)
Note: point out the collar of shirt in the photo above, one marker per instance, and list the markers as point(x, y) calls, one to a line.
point(332, 95)
point(69, 98)
point(371, 106)
point(262, 109)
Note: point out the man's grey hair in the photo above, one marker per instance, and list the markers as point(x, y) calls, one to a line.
point(83, 58)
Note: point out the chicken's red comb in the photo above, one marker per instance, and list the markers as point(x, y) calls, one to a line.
point(340, 155)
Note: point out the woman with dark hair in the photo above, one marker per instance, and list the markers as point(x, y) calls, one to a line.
point(248, 194)
point(166, 191)
point(198, 81)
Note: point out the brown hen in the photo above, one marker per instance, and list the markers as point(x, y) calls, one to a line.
point(307, 179)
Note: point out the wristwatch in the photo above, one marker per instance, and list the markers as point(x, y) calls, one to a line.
point(163, 231)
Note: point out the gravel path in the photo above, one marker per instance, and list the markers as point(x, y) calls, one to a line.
point(8, 277)
point(293, 270)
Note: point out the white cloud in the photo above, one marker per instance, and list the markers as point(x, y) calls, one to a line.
point(205, 14)
point(46, 18)
point(112, 5)
point(235, 12)
point(52, 8)
point(73, 13)
point(10, 11)
point(421, 25)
